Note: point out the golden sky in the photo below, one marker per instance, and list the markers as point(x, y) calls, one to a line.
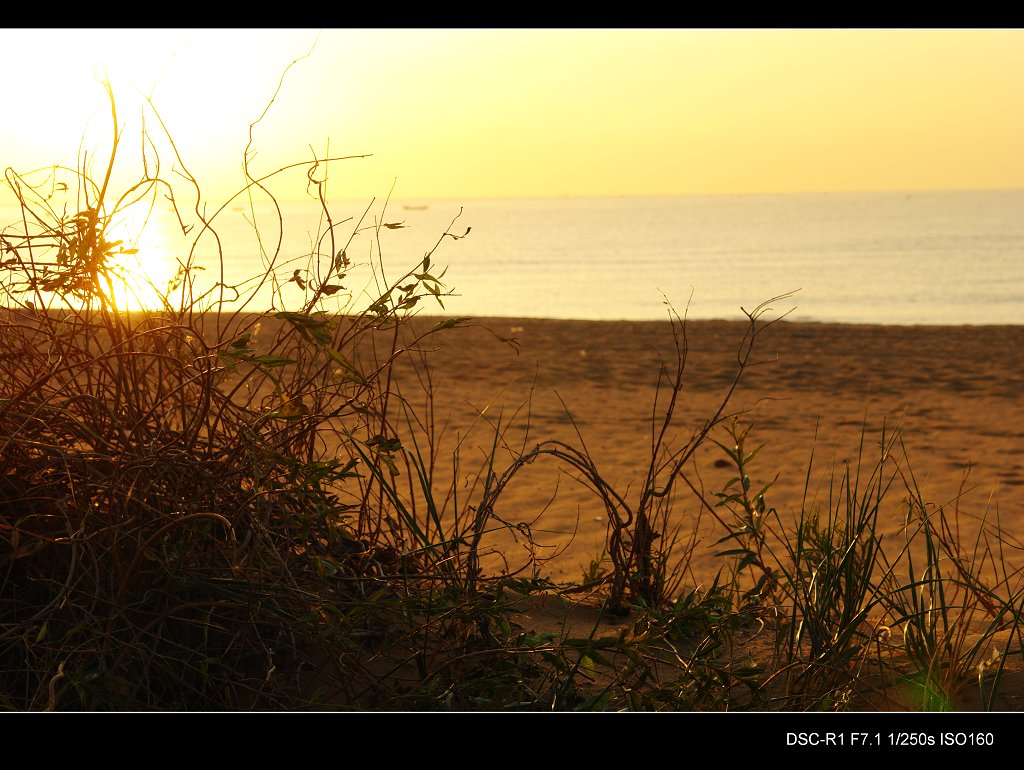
point(464, 113)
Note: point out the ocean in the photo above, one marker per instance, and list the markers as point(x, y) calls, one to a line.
point(888, 258)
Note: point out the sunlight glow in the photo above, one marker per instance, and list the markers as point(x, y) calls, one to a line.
point(470, 113)
point(147, 263)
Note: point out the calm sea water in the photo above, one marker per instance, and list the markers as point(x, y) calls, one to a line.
point(890, 258)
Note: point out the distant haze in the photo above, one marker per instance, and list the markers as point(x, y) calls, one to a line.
point(480, 113)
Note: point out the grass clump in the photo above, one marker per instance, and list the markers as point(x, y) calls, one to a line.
point(192, 507)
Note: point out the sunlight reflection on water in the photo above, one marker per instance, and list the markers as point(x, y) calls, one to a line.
point(942, 258)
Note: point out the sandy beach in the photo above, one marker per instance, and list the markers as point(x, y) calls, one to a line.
point(818, 389)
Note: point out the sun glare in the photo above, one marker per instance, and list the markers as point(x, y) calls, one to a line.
point(145, 260)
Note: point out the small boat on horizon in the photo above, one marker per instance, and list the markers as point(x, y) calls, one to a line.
point(414, 208)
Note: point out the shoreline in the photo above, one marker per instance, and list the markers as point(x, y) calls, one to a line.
point(501, 319)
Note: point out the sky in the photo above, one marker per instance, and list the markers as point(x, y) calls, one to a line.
point(468, 113)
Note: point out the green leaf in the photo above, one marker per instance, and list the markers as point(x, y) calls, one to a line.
point(74, 630)
point(380, 306)
point(288, 411)
point(390, 462)
point(312, 327)
point(271, 361)
point(384, 444)
point(752, 455)
point(732, 452)
point(747, 560)
point(451, 323)
point(735, 552)
point(245, 354)
point(242, 341)
point(730, 536)
point(355, 375)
